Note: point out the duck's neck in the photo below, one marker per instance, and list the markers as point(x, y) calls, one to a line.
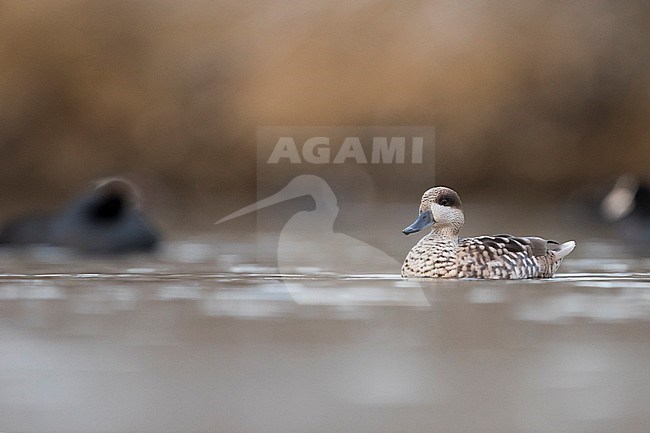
point(445, 233)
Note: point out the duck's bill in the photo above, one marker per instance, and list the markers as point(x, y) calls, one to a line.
point(425, 219)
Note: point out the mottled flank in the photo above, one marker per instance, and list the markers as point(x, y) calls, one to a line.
point(441, 254)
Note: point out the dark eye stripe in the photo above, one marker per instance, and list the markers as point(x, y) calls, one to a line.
point(448, 200)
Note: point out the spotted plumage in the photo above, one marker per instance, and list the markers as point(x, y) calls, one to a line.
point(442, 254)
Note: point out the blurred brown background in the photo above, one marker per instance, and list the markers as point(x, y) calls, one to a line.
point(545, 95)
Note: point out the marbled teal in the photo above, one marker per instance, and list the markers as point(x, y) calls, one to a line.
point(442, 254)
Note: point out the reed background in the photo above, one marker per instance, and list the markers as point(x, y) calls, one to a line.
point(543, 96)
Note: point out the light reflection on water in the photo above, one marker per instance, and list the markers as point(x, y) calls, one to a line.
point(197, 340)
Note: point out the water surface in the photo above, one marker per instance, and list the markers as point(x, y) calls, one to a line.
point(208, 335)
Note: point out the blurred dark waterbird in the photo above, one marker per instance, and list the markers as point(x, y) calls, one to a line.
point(105, 220)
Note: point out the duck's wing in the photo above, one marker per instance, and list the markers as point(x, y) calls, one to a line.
point(502, 244)
point(534, 245)
point(500, 256)
point(507, 256)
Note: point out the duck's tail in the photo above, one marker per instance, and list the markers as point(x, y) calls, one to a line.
point(551, 261)
point(563, 250)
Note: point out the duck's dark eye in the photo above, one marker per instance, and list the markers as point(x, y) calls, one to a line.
point(444, 202)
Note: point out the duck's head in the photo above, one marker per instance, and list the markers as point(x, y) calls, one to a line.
point(111, 200)
point(440, 208)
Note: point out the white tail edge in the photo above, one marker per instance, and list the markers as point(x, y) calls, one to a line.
point(563, 250)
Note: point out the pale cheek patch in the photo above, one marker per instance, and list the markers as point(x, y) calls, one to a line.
point(442, 213)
